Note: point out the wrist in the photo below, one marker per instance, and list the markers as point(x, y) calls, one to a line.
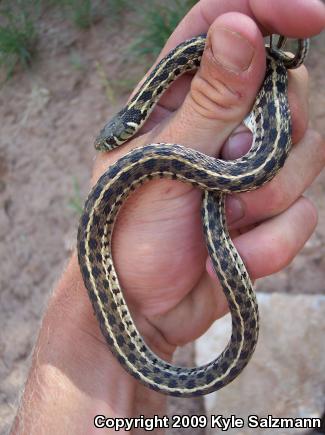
point(73, 372)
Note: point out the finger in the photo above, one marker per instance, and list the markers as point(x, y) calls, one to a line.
point(305, 162)
point(240, 141)
point(301, 18)
point(265, 250)
point(298, 96)
point(194, 314)
point(272, 245)
point(224, 88)
point(298, 18)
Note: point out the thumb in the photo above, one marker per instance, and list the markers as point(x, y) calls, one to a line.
point(223, 90)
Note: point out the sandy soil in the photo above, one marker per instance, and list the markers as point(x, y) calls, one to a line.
point(48, 120)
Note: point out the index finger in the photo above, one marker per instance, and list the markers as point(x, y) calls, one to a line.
point(297, 18)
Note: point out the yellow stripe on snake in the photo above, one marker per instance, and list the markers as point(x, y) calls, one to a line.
point(270, 123)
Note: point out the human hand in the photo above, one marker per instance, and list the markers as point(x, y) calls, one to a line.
point(158, 247)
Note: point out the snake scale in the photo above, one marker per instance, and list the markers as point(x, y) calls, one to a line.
point(270, 123)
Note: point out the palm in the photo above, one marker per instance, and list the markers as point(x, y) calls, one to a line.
point(159, 246)
point(159, 254)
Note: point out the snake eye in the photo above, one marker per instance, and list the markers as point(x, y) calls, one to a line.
point(110, 141)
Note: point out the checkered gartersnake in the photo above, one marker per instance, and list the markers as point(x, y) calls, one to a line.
point(270, 123)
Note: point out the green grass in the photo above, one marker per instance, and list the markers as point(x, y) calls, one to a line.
point(153, 21)
point(115, 9)
point(86, 13)
point(106, 83)
point(76, 201)
point(77, 61)
point(158, 21)
point(18, 34)
point(83, 13)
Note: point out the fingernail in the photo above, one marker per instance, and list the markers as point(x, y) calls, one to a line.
point(237, 145)
point(235, 209)
point(231, 49)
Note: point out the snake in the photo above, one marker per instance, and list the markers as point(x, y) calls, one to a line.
point(270, 122)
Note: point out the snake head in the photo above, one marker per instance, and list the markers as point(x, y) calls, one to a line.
point(112, 135)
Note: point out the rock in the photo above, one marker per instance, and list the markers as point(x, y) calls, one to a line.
point(285, 377)
point(5, 223)
point(184, 406)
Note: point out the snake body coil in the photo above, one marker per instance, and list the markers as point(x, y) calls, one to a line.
point(270, 122)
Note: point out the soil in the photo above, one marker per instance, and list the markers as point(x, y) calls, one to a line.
point(49, 118)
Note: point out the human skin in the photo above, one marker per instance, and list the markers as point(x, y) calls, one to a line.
point(158, 247)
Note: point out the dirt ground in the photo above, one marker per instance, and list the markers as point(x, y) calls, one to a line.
point(49, 118)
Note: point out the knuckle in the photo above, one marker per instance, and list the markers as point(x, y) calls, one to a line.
point(317, 137)
point(299, 119)
point(280, 252)
point(283, 246)
point(311, 211)
point(318, 141)
point(298, 99)
point(278, 197)
point(213, 99)
point(303, 75)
